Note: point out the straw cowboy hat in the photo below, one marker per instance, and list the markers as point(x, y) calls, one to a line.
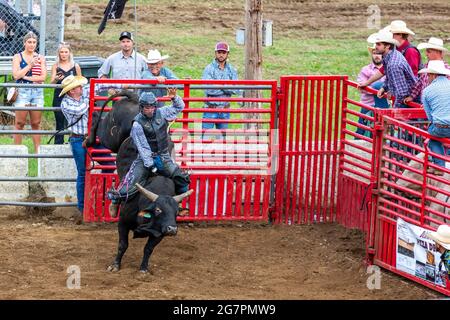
point(437, 67)
point(154, 56)
point(433, 43)
point(386, 36)
point(72, 82)
point(399, 26)
point(441, 236)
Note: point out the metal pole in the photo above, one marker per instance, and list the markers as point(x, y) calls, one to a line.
point(43, 27)
point(61, 20)
point(135, 39)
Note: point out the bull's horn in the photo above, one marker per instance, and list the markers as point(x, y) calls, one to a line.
point(150, 195)
point(180, 197)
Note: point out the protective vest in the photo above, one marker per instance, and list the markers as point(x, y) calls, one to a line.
point(155, 130)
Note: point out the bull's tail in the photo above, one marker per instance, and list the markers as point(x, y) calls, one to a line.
point(90, 141)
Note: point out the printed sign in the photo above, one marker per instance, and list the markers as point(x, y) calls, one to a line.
point(417, 255)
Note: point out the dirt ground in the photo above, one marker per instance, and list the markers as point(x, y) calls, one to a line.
point(239, 261)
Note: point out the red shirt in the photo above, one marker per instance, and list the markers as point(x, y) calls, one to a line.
point(412, 57)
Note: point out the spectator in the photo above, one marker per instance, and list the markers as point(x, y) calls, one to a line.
point(219, 69)
point(156, 70)
point(64, 66)
point(435, 51)
point(436, 102)
point(365, 73)
point(442, 239)
point(412, 55)
point(29, 67)
point(149, 134)
point(125, 64)
point(75, 107)
point(399, 77)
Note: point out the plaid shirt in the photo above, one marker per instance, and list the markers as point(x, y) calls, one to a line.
point(399, 77)
point(422, 83)
point(74, 109)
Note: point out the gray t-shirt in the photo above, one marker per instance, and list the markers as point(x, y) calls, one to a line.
point(122, 67)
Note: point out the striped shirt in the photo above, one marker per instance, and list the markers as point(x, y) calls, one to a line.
point(36, 70)
point(422, 83)
point(76, 111)
point(436, 101)
point(399, 77)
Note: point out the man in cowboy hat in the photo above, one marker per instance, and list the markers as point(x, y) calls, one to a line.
point(399, 76)
point(412, 55)
point(150, 135)
point(219, 69)
point(125, 64)
point(442, 239)
point(435, 50)
point(156, 70)
point(436, 103)
point(75, 107)
point(365, 73)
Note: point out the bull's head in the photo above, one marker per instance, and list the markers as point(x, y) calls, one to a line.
point(164, 211)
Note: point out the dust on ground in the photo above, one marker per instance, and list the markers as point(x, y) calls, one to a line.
point(204, 261)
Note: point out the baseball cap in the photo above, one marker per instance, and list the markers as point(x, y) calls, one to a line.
point(148, 99)
point(126, 34)
point(222, 46)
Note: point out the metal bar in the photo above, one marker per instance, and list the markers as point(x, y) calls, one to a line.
point(28, 179)
point(30, 109)
point(303, 159)
point(27, 85)
point(40, 156)
point(38, 204)
point(40, 132)
point(43, 27)
point(208, 110)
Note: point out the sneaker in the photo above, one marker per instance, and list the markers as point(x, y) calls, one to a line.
point(113, 209)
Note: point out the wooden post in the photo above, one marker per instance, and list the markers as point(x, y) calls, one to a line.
point(253, 51)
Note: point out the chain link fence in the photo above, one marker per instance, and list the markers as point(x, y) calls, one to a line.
point(43, 17)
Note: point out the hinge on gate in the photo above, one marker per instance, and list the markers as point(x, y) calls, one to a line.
point(378, 127)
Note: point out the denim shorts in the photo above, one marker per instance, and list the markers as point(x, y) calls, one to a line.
point(30, 97)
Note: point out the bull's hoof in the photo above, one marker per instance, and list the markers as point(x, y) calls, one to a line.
point(113, 268)
point(143, 271)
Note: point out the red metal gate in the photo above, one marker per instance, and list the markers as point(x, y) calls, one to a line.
point(306, 182)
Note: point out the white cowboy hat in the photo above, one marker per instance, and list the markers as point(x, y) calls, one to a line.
point(399, 26)
point(154, 56)
point(371, 42)
point(441, 236)
point(433, 43)
point(437, 67)
point(386, 36)
point(72, 82)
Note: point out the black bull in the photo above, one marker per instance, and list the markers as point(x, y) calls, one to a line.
point(153, 212)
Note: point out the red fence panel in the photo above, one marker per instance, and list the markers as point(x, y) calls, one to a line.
point(231, 176)
point(306, 182)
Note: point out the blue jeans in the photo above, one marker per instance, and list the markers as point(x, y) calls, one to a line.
point(219, 125)
point(27, 96)
point(79, 155)
point(436, 146)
